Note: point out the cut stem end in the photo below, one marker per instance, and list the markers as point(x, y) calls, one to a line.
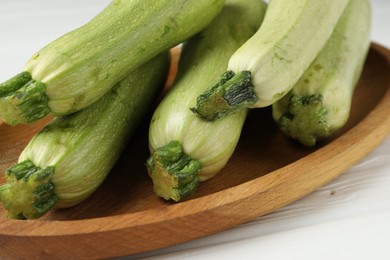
point(23, 100)
point(232, 93)
point(305, 119)
point(174, 173)
point(28, 192)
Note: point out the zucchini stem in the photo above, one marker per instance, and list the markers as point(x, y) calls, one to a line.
point(233, 92)
point(305, 119)
point(173, 172)
point(28, 193)
point(14, 83)
point(23, 100)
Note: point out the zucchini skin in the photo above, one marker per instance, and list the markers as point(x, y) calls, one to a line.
point(81, 66)
point(291, 36)
point(71, 156)
point(320, 103)
point(185, 149)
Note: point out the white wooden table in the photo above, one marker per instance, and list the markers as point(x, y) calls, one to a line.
point(347, 219)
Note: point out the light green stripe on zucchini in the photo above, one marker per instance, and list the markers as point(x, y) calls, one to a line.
point(71, 156)
point(186, 150)
point(81, 66)
point(320, 103)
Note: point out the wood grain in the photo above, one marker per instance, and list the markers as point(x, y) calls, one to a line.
point(266, 172)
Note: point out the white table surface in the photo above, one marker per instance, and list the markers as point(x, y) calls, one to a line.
point(353, 223)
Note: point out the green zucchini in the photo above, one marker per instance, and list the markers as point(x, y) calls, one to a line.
point(77, 69)
point(184, 149)
point(320, 103)
point(269, 64)
point(71, 156)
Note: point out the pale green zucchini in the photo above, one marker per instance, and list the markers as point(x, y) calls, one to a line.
point(77, 69)
point(185, 149)
point(320, 103)
point(269, 64)
point(71, 156)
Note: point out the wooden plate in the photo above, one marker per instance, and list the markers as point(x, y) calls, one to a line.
point(266, 172)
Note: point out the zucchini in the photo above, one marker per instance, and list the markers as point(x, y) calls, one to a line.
point(269, 64)
point(320, 103)
point(71, 156)
point(77, 69)
point(185, 149)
